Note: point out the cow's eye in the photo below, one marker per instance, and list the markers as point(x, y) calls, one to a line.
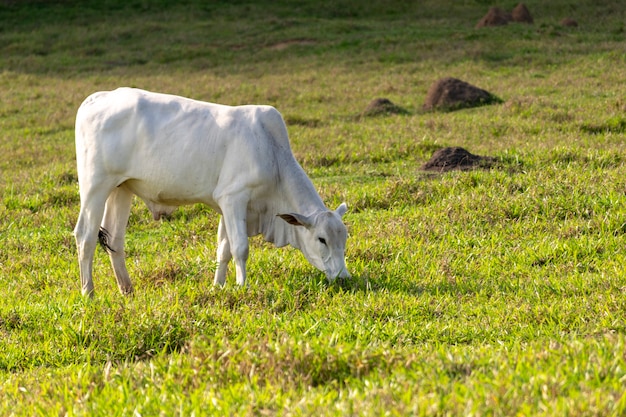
point(322, 240)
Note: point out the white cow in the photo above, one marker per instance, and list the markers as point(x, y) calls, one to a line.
point(171, 151)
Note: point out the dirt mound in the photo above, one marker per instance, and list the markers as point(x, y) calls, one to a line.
point(382, 106)
point(521, 14)
point(451, 94)
point(498, 17)
point(568, 21)
point(494, 17)
point(448, 159)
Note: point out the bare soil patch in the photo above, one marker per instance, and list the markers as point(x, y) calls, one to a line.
point(291, 42)
point(448, 159)
point(451, 94)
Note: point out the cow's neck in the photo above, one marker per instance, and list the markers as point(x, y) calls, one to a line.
point(300, 192)
point(296, 194)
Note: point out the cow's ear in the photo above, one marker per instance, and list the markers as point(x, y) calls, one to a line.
point(341, 210)
point(296, 219)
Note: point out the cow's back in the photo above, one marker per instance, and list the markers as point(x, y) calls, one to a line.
point(173, 150)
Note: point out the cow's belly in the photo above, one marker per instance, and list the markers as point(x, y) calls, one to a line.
point(163, 197)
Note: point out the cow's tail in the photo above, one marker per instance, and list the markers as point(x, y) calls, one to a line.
point(103, 239)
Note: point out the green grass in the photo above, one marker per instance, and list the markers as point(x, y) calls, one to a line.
point(490, 292)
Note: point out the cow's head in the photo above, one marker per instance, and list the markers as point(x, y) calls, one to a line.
point(324, 240)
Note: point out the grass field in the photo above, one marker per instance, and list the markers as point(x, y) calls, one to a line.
point(488, 292)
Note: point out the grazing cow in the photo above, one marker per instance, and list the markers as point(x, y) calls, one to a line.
point(171, 151)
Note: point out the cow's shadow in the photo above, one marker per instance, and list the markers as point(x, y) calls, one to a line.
point(364, 283)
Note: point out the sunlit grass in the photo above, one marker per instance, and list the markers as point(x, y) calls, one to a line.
point(485, 292)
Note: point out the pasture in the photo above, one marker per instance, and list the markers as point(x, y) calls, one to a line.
point(494, 291)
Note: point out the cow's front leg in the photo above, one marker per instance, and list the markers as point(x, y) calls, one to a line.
point(234, 218)
point(223, 254)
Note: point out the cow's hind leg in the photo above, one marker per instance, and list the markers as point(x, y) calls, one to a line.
point(114, 224)
point(86, 233)
point(223, 254)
